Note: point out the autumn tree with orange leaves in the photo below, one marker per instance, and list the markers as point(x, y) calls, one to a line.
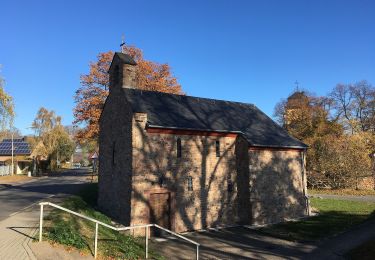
point(90, 97)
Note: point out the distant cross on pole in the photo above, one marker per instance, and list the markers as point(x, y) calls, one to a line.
point(297, 86)
point(122, 45)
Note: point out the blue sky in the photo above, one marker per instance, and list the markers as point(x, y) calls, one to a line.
point(249, 51)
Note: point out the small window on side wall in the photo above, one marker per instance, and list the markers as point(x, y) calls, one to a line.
point(230, 186)
point(113, 153)
point(116, 75)
point(161, 181)
point(179, 153)
point(217, 148)
point(190, 183)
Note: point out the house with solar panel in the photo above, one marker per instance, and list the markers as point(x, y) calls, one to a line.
point(21, 156)
point(190, 163)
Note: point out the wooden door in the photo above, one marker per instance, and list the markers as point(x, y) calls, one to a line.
point(160, 211)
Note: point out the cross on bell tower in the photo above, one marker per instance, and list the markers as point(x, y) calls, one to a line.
point(122, 45)
point(297, 86)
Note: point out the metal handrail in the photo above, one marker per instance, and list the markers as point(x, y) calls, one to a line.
point(97, 223)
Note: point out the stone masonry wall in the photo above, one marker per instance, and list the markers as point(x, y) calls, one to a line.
point(155, 156)
point(268, 191)
point(276, 185)
point(242, 164)
point(115, 156)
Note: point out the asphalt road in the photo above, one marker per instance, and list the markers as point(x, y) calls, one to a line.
point(15, 197)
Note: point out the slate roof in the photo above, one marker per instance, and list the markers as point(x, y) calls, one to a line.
point(126, 58)
point(193, 113)
point(21, 147)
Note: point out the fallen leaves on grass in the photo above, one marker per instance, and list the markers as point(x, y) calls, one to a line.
point(14, 178)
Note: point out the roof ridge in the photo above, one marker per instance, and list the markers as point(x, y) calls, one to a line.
point(187, 96)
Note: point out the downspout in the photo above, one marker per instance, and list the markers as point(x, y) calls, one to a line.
point(304, 181)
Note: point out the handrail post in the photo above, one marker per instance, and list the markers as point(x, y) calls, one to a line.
point(41, 223)
point(146, 229)
point(97, 222)
point(96, 239)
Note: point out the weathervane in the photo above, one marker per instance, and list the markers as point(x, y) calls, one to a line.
point(122, 45)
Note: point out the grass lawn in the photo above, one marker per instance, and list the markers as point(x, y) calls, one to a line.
point(342, 192)
point(363, 252)
point(335, 217)
point(72, 231)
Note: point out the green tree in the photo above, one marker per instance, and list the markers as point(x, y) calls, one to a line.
point(57, 143)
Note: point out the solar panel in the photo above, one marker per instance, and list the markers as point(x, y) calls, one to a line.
point(20, 147)
point(15, 140)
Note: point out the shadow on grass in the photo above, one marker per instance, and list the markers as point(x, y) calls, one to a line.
point(315, 228)
point(335, 216)
point(365, 251)
point(69, 230)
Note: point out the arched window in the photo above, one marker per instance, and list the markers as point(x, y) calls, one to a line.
point(116, 75)
point(179, 148)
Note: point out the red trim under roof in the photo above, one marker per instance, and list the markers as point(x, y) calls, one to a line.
point(188, 132)
point(160, 130)
point(261, 148)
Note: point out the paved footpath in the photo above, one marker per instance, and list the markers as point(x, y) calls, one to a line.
point(19, 211)
point(17, 233)
point(245, 243)
point(232, 243)
point(21, 229)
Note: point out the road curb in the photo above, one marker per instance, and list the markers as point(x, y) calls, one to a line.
point(31, 205)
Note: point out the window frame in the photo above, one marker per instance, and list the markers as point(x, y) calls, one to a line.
point(190, 186)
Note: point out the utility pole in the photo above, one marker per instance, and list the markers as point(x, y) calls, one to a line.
point(12, 151)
